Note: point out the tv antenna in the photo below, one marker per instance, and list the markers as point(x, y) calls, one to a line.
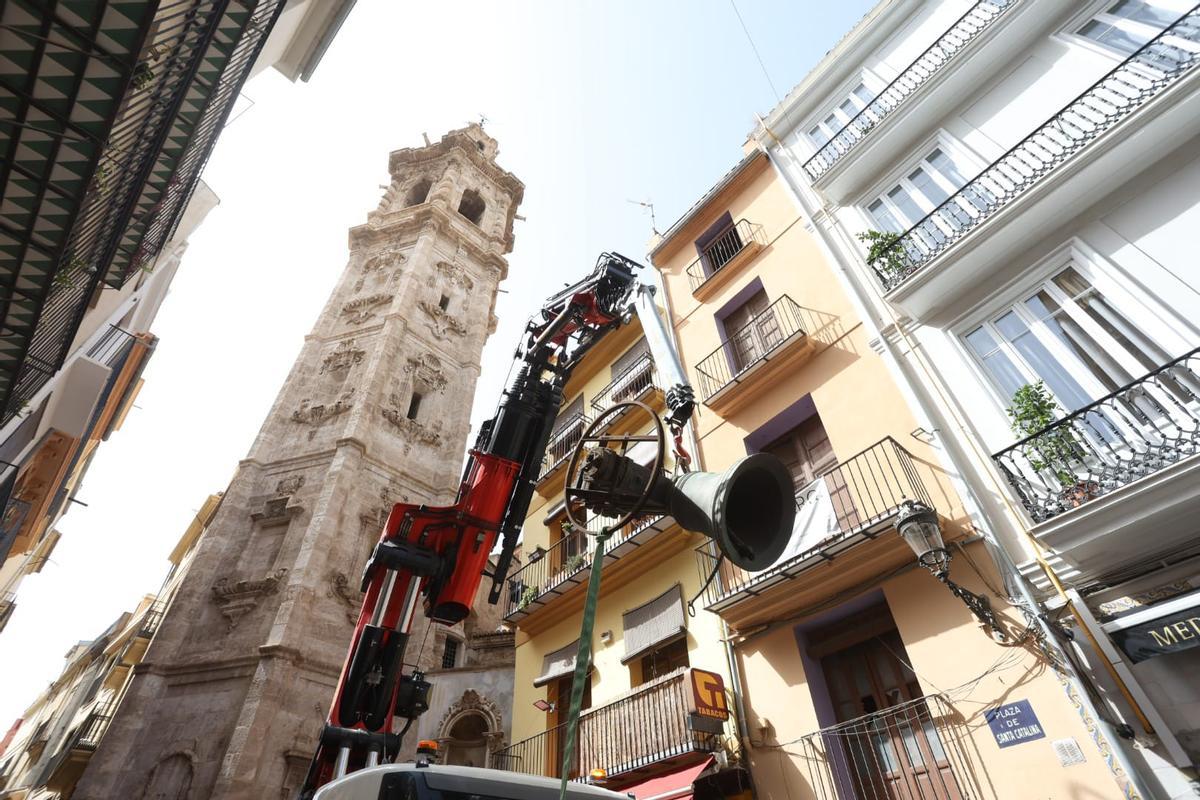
point(649, 207)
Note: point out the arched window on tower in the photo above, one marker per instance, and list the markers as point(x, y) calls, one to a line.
point(418, 192)
point(471, 206)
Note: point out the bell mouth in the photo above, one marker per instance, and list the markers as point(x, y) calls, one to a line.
point(755, 524)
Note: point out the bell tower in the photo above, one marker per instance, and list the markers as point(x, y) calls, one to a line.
point(376, 410)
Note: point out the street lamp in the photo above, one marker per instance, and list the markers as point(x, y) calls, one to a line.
point(920, 528)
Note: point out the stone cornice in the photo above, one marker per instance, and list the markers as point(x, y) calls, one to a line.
point(381, 228)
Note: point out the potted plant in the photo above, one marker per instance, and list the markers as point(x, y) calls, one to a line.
point(1033, 411)
point(527, 597)
point(574, 563)
point(882, 255)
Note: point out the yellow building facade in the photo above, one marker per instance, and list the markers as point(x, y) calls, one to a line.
point(855, 672)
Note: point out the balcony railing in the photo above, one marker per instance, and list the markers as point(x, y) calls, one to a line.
point(725, 248)
point(567, 560)
point(562, 442)
point(151, 621)
point(647, 726)
point(11, 523)
point(8, 604)
point(93, 728)
point(964, 31)
point(850, 503)
point(633, 382)
point(112, 346)
point(1139, 429)
point(915, 749)
point(749, 345)
point(1144, 75)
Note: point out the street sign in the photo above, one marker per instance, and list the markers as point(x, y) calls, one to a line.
point(708, 694)
point(1014, 723)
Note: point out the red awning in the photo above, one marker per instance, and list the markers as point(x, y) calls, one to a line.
point(675, 785)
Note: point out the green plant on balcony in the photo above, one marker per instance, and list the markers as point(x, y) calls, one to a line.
point(63, 279)
point(527, 597)
point(881, 254)
point(1033, 411)
point(574, 563)
point(143, 75)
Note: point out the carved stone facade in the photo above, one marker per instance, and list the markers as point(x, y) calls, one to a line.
point(233, 690)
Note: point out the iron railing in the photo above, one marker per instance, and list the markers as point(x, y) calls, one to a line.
point(15, 512)
point(112, 346)
point(1141, 428)
point(93, 728)
point(917, 749)
point(755, 342)
point(723, 249)
point(1141, 77)
point(865, 492)
point(151, 620)
point(634, 381)
point(649, 725)
point(964, 31)
point(562, 442)
point(566, 560)
point(8, 604)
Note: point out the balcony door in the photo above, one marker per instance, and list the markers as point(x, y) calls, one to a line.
point(894, 750)
point(808, 455)
point(560, 696)
point(752, 331)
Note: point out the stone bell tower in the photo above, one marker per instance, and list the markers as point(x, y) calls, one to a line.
point(236, 683)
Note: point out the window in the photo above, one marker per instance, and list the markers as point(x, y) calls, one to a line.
point(418, 192)
point(805, 450)
point(414, 405)
point(444, 302)
point(1069, 334)
point(664, 660)
point(845, 111)
point(567, 431)
point(752, 331)
point(923, 189)
point(471, 206)
point(450, 653)
point(1126, 25)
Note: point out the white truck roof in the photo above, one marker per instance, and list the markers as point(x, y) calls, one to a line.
point(487, 783)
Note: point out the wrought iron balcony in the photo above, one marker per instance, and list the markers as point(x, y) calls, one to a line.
point(93, 728)
point(738, 240)
point(851, 503)
point(1136, 431)
point(550, 573)
point(151, 621)
point(914, 749)
point(1157, 65)
point(11, 523)
point(562, 443)
point(635, 382)
point(647, 726)
point(112, 347)
point(749, 346)
point(8, 604)
point(965, 30)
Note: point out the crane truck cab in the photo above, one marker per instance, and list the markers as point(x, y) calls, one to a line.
point(432, 782)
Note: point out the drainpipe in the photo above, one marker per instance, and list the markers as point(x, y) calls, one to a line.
point(1137, 788)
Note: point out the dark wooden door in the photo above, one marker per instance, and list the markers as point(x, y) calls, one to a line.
point(895, 755)
point(808, 455)
point(560, 696)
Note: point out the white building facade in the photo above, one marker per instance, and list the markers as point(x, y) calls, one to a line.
point(1011, 188)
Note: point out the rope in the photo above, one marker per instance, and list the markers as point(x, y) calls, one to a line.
point(582, 659)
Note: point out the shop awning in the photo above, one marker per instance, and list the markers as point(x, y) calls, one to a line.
point(658, 622)
point(675, 785)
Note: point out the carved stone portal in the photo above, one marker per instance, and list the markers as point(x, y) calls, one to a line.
point(427, 369)
point(441, 323)
point(235, 600)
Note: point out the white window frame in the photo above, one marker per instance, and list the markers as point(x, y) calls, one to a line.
point(1101, 273)
point(1098, 10)
point(833, 109)
point(968, 163)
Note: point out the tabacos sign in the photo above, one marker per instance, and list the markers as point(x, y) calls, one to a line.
point(1170, 634)
point(708, 694)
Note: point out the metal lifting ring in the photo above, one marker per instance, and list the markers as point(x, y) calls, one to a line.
point(572, 492)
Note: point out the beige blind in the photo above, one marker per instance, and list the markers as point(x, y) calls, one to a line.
point(655, 623)
point(558, 664)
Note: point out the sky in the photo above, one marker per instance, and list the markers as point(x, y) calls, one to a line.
point(594, 104)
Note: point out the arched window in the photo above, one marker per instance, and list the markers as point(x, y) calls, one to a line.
point(471, 206)
point(418, 192)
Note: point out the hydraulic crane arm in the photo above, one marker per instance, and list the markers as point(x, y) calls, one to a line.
point(438, 555)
